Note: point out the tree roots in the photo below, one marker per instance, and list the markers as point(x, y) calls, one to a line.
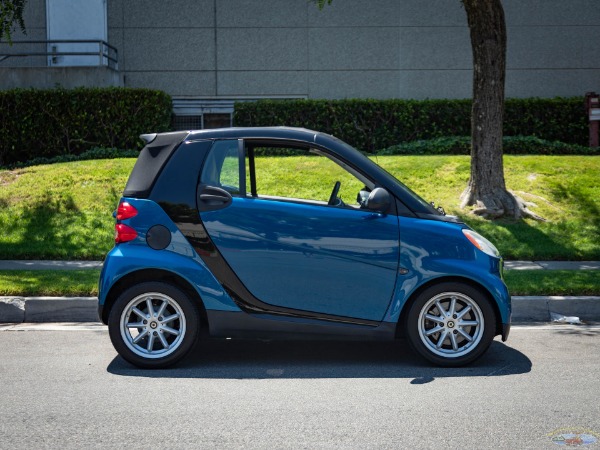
point(498, 203)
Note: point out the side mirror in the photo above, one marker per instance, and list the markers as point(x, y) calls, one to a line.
point(379, 200)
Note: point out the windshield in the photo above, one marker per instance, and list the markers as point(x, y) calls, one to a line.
point(403, 192)
point(417, 197)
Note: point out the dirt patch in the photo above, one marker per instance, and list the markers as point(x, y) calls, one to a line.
point(9, 176)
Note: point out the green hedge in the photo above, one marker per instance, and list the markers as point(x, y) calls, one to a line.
point(371, 125)
point(93, 153)
point(53, 122)
point(512, 145)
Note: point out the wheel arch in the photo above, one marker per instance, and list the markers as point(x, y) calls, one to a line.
point(143, 275)
point(401, 324)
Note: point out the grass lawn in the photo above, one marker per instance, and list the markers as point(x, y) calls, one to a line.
point(565, 190)
point(85, 282)
point(71, 283)
point(63, 211)
point(553, 282)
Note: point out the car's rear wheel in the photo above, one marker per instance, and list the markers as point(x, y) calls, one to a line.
point(451, 324)
point(153, 325)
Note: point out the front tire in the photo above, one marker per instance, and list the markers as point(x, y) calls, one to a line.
point(451, 324)
point(153, 325)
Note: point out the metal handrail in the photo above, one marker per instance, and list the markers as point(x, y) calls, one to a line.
point(103, 53)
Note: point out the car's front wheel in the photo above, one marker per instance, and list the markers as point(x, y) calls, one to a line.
point(153, 325)
point(451, 324)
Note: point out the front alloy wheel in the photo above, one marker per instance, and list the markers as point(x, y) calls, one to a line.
point(153, 325)
point(451, 324)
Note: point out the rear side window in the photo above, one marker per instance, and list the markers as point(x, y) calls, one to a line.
point(221, 168)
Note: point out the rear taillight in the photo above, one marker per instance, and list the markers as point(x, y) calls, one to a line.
point(124, 233)
point(126, 211)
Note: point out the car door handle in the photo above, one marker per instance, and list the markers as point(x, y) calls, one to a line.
point(216, 199)
point(212, 197)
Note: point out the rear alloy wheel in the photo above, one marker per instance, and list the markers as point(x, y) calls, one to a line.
point(451, 324)
point(153, 325)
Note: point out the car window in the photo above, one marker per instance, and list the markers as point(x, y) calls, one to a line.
point(301, 174)
point(221, 168)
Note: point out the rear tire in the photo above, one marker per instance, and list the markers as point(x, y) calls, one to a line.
point(451, 324)
point(153, 325)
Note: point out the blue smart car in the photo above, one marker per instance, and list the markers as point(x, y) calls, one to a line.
point(216, 237)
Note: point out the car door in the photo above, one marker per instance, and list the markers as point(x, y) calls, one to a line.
point(292, 248)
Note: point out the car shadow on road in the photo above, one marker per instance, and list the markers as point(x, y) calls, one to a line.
point(582, 331)
point(241, 359)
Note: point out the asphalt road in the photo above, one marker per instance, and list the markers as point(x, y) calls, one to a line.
point(67, 389)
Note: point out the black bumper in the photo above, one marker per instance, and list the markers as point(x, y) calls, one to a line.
point(100, 316)
point(505, 331)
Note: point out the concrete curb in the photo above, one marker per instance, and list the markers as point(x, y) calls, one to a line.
point(48, 309)
point(84, 309)
point(538, 308)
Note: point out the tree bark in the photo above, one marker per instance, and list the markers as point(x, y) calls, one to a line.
point(486, 188)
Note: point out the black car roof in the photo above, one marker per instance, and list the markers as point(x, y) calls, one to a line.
point(300, 134)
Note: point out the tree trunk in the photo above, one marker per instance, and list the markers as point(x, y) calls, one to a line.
point(487, 189)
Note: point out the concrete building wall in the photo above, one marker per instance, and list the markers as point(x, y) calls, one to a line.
point(352, 48)
point(35, 22)
point(65, 77)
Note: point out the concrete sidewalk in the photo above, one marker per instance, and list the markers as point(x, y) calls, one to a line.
point(16, 264)
point(552, 265)
point(84, 309)
point(7, 264)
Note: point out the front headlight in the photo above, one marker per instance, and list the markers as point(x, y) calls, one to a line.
point(481, 243)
